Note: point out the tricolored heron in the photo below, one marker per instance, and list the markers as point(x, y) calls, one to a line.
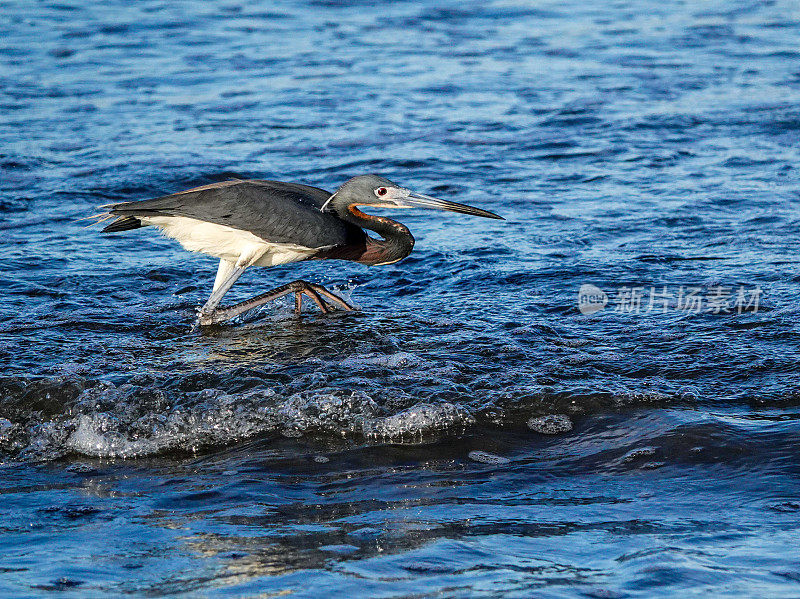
point(265, 223)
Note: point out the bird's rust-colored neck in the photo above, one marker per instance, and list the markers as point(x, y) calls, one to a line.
point(396, 244)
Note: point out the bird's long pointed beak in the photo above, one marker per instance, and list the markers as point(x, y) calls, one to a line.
point(421, 200)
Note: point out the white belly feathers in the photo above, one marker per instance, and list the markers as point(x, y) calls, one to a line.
point(226, 243)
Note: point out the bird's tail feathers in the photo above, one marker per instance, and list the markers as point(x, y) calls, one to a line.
point(96, 219)
point(123, 223)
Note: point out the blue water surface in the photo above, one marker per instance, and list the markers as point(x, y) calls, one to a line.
point(474, 430)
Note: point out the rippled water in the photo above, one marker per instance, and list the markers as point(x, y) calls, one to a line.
point(470, 431)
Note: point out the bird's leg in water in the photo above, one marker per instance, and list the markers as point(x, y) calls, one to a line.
point(298, 302)
point(299, 288)
point(331, 296)
point(209, 308)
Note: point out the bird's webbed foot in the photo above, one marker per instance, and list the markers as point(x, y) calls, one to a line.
point(326, 301)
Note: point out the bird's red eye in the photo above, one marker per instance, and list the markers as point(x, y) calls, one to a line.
point(382, 191)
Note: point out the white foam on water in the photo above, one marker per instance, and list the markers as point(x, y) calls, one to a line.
point(331, 411)
point(418, 421)
point(6, 426)
point(552, 424)
point(484, 457)
point(106, 421)
point(639, 453)
point(393, 361)
point(114, 436)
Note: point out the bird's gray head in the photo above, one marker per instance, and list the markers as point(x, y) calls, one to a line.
point(373, 190)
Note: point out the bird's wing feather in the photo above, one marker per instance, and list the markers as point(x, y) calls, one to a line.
point(275, 211)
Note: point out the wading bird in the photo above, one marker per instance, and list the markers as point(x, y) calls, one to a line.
point(265, 223)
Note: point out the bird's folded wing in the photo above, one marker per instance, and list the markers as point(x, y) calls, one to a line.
point(275, 211)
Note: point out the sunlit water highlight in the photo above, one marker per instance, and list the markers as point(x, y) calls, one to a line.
point(470, 431)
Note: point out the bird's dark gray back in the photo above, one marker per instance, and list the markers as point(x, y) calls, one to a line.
point(276, 211)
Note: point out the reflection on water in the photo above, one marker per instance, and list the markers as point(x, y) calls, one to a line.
point(632, 501)
point(471, 431)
